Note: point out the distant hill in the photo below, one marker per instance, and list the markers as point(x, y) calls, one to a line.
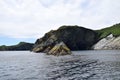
point(115, 30)
point(18, 47)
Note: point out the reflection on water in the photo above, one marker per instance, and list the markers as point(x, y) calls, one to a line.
point(81, 65)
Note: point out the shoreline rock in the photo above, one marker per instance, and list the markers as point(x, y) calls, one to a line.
point(59, 49)
point(108, 43)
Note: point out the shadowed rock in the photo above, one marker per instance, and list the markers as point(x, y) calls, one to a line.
point(75, 37)
point(59, 49)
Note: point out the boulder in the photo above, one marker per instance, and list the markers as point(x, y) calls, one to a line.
point(59, 49)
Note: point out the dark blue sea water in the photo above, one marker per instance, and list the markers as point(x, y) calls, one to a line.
point(81, 65)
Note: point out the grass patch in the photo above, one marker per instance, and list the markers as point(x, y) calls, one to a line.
point(115, 30)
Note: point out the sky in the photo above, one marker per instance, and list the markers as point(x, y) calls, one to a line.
point(27, 20)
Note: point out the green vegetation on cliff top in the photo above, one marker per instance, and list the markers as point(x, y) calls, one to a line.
point(115, 30)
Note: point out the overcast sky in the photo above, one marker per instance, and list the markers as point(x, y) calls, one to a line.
point(27, 20)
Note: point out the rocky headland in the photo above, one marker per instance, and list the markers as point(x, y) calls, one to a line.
point(74, 37)
point(78, 38)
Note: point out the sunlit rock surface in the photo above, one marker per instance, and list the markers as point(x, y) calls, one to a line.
point(59, 49)
point(110, 42)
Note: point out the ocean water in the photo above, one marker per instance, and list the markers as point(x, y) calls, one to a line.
point(81, 65)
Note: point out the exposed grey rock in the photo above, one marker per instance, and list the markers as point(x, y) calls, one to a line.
point(103, 42)
point(108, 43)
point(115, 44)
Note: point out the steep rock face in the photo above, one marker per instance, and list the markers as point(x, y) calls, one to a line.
point(75, 37)
point(59, 49)
point(108, 43)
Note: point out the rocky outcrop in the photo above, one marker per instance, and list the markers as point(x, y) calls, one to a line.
point(108, 43)
point(59, 49)
point(75, 37)
point(21, 46)
point(45, 44)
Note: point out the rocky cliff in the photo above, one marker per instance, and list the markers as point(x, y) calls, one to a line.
point(108, 43)
point(21, 46)
point(79, 38)
point(109, 38)
point(74, 37)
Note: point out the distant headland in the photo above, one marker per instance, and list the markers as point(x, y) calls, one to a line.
point(18, 47)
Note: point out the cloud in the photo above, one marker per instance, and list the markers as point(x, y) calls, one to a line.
point(33, 18)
